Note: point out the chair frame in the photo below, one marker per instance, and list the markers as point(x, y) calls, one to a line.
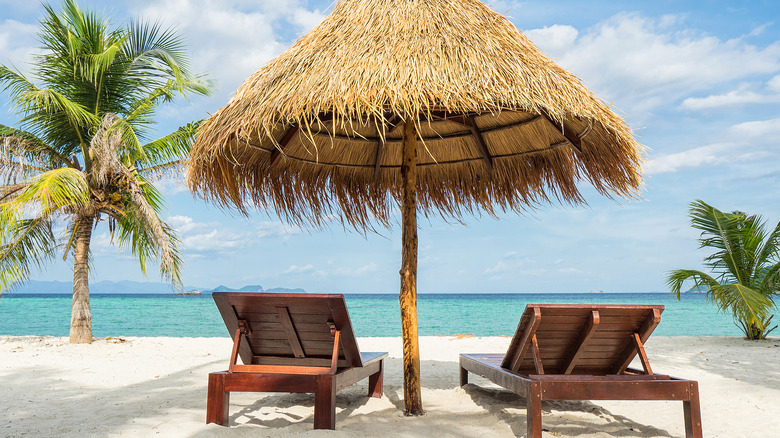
point(297, 373)
point(567, 383)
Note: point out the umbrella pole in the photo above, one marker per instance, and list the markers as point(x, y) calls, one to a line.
point(408, 296)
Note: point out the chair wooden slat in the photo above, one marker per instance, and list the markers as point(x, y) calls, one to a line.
point(580, 347)
point(289, 330)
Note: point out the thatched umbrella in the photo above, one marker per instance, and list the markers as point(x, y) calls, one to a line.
point(440, 106)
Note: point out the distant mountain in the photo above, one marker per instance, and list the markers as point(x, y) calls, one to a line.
point(132, 287)
point(698, 290)
point(223, 288)
point(253, 288)
point(286, 290)
point(100, 287)
point(44, 287)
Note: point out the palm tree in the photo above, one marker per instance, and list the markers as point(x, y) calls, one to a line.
point(745, 263)
point(81, 154)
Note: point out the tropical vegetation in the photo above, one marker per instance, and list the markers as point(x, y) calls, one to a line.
point(82, 152)
point(745, 266)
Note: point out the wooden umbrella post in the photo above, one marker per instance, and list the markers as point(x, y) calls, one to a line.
point(408, 296)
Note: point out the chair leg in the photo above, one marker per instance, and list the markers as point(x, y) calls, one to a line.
point(464, 376)
point(534, 411)
point(325, 403)
point(692, 412)
point(218, 401)
point(375, 382)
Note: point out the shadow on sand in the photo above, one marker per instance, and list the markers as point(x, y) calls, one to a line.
point(177, 401)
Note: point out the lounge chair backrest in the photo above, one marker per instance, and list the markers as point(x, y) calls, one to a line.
point(289, 329)
point(580, 339)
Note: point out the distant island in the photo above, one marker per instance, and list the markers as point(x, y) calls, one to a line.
point(254, 288)
point(136, 287)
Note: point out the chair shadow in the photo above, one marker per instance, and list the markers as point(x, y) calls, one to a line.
point(179, 397)
point(347, 401)
point(619, 425)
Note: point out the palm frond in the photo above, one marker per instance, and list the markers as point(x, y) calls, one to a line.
point(770, 251)
point(54, 190)
point(720, 231)
point(90, 96)
point(26, 147)
point(171, 148)
point(29, 98)
point(678, 277)
point(99, 63)
point(134, 234)
point(769, 280)
point(25, 244)
point(9, 191)
point(173, 170)
point(745, 263)
point(746, 304)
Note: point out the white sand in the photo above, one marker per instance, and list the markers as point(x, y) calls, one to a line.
point(145, 387)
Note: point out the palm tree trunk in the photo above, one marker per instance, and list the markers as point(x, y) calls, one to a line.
point(408, 296)
point(81, 317)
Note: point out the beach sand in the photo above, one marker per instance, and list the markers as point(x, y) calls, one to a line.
point(146, 387)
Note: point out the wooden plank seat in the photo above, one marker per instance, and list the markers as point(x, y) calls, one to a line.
point(300, 343)
point(582, 352)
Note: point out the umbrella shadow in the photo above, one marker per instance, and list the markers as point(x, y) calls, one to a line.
point(47, 394)
point(283, 407)
point(618, 425)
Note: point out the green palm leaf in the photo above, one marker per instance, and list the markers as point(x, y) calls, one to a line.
point(744, 263)
point(82, 150)
point(25, 244)
point(54, 190)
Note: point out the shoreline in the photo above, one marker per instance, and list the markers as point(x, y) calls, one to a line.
point(142, 386)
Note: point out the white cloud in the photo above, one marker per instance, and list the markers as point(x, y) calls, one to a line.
point(17, 44)
point(206, 237)
point(557, 38)
point(570, 271)
point(762, 129)
point(746, 142)
point(295, 269)
point(774, 83)
point(101, 243)
point(306, 19)
point(356, 272)
point(230, 39)
point(744, 94)
point(642, 63)
point(276, 229)
point(499, 268)
point(695, 157)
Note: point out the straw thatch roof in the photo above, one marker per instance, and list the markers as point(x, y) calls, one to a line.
point(316, 131)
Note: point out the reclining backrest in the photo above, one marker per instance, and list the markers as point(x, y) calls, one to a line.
point(580, 338)
point(289, 329)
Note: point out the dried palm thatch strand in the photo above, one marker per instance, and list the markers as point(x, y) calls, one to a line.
point(501, 127)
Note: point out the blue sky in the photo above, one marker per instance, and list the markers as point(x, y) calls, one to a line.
point(698, 81)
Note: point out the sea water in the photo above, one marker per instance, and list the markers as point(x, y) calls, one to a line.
point(371, 314)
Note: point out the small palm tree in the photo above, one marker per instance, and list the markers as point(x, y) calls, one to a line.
point(81, 153)
point(745, 264)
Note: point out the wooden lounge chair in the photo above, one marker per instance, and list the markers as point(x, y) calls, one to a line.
point(290, 343)
point(582, 352)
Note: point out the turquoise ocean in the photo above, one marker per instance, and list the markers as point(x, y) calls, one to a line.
point(371, 314)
